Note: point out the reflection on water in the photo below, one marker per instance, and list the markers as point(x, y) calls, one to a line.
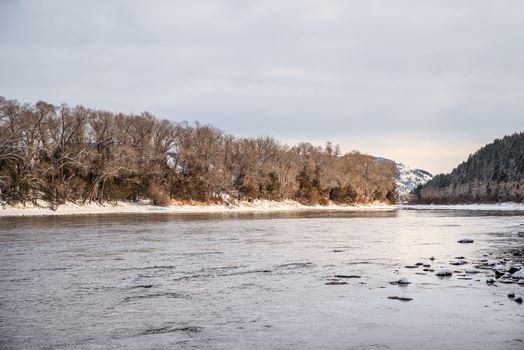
point(256, 281)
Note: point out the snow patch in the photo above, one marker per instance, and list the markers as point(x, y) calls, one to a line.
point(519, 274)
point(408, 179)
point(256, 206)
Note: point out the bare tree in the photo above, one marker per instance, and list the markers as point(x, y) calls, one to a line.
point(76, 154)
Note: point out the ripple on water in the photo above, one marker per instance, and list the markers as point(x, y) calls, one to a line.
point(180, 290)
point(169, 328)
point(155, 295)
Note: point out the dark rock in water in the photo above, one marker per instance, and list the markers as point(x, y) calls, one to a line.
point(465, 240)
point(443, 273)
point(338, 251)
point(490, 281)
point(513, 269)
point(411, 266)
point(348, 276)
point(335, 283)
point(458, 262)
point(419, 264)
point(400, 298)
point(432, 258)
point(498, 273)
point(401, 282)
point(460, 257)
point(511, 295)
point(426, 265)
point(518, 299)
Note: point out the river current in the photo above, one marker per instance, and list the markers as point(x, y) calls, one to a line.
point(318, 280)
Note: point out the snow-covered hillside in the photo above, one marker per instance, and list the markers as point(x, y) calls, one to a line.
point(408, 179)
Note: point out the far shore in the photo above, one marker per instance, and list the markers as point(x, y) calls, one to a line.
point(503, 206)
point(257, 206)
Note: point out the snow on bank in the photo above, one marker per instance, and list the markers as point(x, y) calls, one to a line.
point(257, 206)
point(491, 206)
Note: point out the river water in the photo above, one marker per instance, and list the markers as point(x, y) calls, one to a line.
point(257, 281)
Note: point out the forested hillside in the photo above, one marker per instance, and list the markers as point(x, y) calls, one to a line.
point(495, 173)
point(63, 153)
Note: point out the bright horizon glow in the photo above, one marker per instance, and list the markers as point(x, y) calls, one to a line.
point(396, 150)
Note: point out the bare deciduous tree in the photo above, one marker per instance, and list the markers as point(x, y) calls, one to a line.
point(77, 154)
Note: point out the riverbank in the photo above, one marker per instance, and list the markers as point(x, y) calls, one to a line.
point(506, 206)
point(43, 209)
point(257, 206)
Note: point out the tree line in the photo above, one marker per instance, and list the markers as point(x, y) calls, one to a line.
point(495, 173)
point(63, 153)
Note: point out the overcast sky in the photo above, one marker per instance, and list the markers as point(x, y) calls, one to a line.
point(422, 82)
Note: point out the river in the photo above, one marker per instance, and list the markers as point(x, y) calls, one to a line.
point(258, 281)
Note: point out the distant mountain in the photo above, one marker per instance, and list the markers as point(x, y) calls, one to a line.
point(495, 173)
point(407, 179)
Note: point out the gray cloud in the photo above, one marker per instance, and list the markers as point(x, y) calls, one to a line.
point(410, 71)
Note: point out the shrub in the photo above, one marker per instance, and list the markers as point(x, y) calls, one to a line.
point(158, 195)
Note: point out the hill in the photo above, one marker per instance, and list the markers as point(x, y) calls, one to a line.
point(407, 179)
point(495, 173)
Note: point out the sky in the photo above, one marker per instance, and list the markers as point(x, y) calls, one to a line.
point(425, 83)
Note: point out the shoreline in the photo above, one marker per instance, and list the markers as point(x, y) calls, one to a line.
point(257, 206)
point(503, 206)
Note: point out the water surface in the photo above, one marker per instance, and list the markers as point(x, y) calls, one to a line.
point(256, 281)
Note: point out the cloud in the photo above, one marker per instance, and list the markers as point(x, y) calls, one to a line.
point(314, 70)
